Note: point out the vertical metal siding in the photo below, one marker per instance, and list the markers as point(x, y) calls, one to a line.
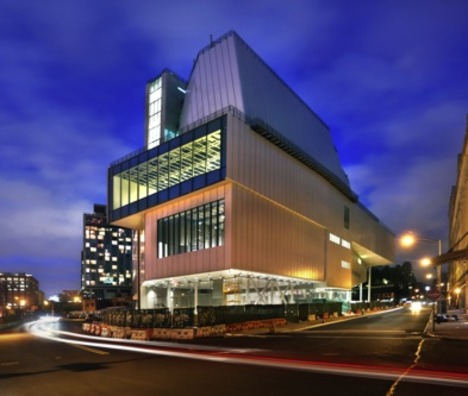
point(230, 73)
point(262, 167)
point(201, 261)
point(213, 85)
point(269, 239)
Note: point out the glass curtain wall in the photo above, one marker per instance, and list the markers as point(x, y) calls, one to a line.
point(194, 229)
point(182, 163)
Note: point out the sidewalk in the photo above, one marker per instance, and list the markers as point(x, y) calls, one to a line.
point(453, 329)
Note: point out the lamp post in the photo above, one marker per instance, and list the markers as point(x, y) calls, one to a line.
point(409, 239)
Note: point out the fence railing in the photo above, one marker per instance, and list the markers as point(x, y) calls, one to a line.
point(211, 316)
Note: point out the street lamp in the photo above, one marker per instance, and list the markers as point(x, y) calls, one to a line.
point(425, 261)
point(409, 239)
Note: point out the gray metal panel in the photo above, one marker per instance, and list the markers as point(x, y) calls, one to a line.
point(266, 96)
point(230, 73)
point(214, 83)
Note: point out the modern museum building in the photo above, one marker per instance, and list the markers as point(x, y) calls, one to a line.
point(238, 195)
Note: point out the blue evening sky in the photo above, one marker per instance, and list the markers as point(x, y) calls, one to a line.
point(389, 77)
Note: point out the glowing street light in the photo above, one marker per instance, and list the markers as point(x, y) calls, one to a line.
point(409, 239)
point(425, 261)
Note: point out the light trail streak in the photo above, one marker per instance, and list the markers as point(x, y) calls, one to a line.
point(227, 355)
point(42, 327)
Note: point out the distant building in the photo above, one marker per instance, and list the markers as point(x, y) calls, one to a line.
point(457, 256)
point(238, 196)
point(106, 261)
point(19, 290)
point(70, 296)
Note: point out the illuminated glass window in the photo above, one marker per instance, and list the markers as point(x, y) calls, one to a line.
point(163, 172)
point(195, 158)
point(195, 229)
point(345, 244)
point(154, 113)
point(335, 239)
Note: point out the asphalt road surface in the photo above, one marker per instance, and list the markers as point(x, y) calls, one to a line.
point(372, 355)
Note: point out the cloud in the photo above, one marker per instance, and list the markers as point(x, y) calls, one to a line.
point(410, 196)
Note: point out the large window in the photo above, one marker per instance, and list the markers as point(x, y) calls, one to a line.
point(194, 158)
point(189, 162)
point(195, 229)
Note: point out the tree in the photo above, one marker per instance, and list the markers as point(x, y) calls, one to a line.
point(397, 279)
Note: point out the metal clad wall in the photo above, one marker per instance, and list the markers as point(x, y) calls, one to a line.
point(230, 73)
point(212, 259)
point(266, 96)
point(337, 276)
point(269, 239)
point(260, 166)
point(214, 83)
point(278, 211)
point(370, 234)
point(278, 215)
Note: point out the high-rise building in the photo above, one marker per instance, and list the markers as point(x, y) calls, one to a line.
point(19, 290)
point(238, 196)
point(106, 260)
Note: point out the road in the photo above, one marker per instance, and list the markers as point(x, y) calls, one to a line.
point(372, 355)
